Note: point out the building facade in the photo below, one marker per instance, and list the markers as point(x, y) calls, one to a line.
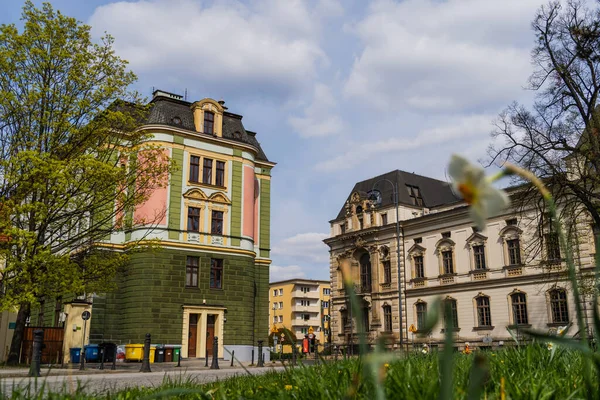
point(302, 306)
point(509, 275)
point(210, 276)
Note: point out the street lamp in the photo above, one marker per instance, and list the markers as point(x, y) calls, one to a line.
point(395, 192)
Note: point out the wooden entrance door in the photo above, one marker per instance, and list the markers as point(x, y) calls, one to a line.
point(192, 335)
point(210, 333)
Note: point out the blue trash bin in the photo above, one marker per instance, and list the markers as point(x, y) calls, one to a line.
point(92, 353)
point(75, 353)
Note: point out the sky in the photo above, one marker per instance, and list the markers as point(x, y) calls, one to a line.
point(337, 91)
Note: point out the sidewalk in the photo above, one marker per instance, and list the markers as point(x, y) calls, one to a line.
point(127, 367)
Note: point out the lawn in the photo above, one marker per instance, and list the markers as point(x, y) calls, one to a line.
point(527, 373)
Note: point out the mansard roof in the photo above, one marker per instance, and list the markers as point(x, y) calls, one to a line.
point(177, 113)
point(433, 191)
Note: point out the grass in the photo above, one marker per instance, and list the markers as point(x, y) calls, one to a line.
point(528, 372)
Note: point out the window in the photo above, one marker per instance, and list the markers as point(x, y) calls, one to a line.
point(479, 256)
point(484, 317)
point(552, 246)
point(274, 318)
point(447, 262)
point(193, 219)
point(207, 171)
point(194, 168)
point(418, 240)
point(305, 317)
point(342, 228)
point(281, 304)
point(304, 331)
point(387, 318)
point(220, 176)
point(325, 304)
point(217, 223)
point(512, 221)
point(281, 292)
point(519, 305)
point(365, 273)
point(453, 323)
point(275, 306)
point(384, 220)
point(209, 122)
point(415, 195)
point(216, 273)
point(326, 291)
point(387, 272)
point(421, 308)
point(365, 316)
point(558, 306)
point(446, 234)
point(305, 289)
point(419, 268)
point(514, 251)
point(305, 302)
point(345, 319)
point(191, 272)
point(281, 318)
point(275, 293)
point(57, 311)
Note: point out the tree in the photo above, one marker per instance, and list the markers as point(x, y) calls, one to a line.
point(558, 138)
point(73, 165)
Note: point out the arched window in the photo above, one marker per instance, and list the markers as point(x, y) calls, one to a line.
point(519, 308)
point(558, 306)
point(421, 312)
point(445, 251)
point(512, 245)
point(365, 273)
point(484, 315)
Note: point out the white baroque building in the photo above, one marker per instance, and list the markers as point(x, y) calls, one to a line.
point(510, 275)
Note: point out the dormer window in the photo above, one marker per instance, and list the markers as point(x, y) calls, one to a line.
point(209, 122)
point(415, 195)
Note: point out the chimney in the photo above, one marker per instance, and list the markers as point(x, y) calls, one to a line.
point(222, 103)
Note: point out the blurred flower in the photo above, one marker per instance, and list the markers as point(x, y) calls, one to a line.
point(550, 345)
point(561, 330)
point(425, 349)
point(288, 387)
point(477, 190)
point(386, 365)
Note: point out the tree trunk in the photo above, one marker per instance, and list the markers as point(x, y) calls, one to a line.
point(17, 339)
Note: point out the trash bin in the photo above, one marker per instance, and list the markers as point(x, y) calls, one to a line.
point(176, 352)
point(75, 353)
point(134, 352)
point(169, 353)
point(92, 353)
point(159, 354)
point(109, 351)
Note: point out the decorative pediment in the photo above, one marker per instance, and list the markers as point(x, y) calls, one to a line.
point(510, 230)
point(219, 197)
point(195, 194)
point(444, 243)
point(384, 252)
point(476, 238)
point(515, 290)
point(416, 249)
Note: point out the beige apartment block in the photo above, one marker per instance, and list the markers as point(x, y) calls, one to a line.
point(302, 306)
point(509, 276)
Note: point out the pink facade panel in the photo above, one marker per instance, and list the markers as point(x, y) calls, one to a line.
point(256, 188)
point(154, 210)
point(248, 210)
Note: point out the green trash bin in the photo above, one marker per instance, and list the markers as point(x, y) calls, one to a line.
point(176, 352)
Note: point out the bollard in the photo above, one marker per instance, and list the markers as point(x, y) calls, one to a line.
point(215, 360)
point(36, 352)
point(260, 362)
point(146, 360)
point(252, 362)
point(206, 355)
point(101, 358)
point(179, 359)
point(232, 356)
point(114, 363)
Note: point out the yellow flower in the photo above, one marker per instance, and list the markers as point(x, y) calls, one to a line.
point(386, 365)
point(477, 191)
point(561, 330)
point(550, 345)
point(288, 387)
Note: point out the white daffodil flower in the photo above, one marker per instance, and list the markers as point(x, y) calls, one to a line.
point(469, 180)
point(425, 349)
point(550, 345)
point(561, 330)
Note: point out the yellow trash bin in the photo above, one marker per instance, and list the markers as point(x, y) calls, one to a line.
point(135, 352)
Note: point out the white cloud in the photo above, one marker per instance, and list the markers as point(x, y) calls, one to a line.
point(452, 130)
point(451, 55)
point(277, 273)
point(304, 247)
point(320, 117)
point(267, 46)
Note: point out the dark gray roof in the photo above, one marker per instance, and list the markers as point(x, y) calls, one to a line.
point(177, 113)
point(434, 192)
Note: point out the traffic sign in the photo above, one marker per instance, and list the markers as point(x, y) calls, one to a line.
point(86, 315)
point(311, 330)
point(412, 328)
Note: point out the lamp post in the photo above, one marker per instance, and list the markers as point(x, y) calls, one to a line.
point(395, 192)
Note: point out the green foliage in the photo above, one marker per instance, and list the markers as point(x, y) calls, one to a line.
point(73, 165)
